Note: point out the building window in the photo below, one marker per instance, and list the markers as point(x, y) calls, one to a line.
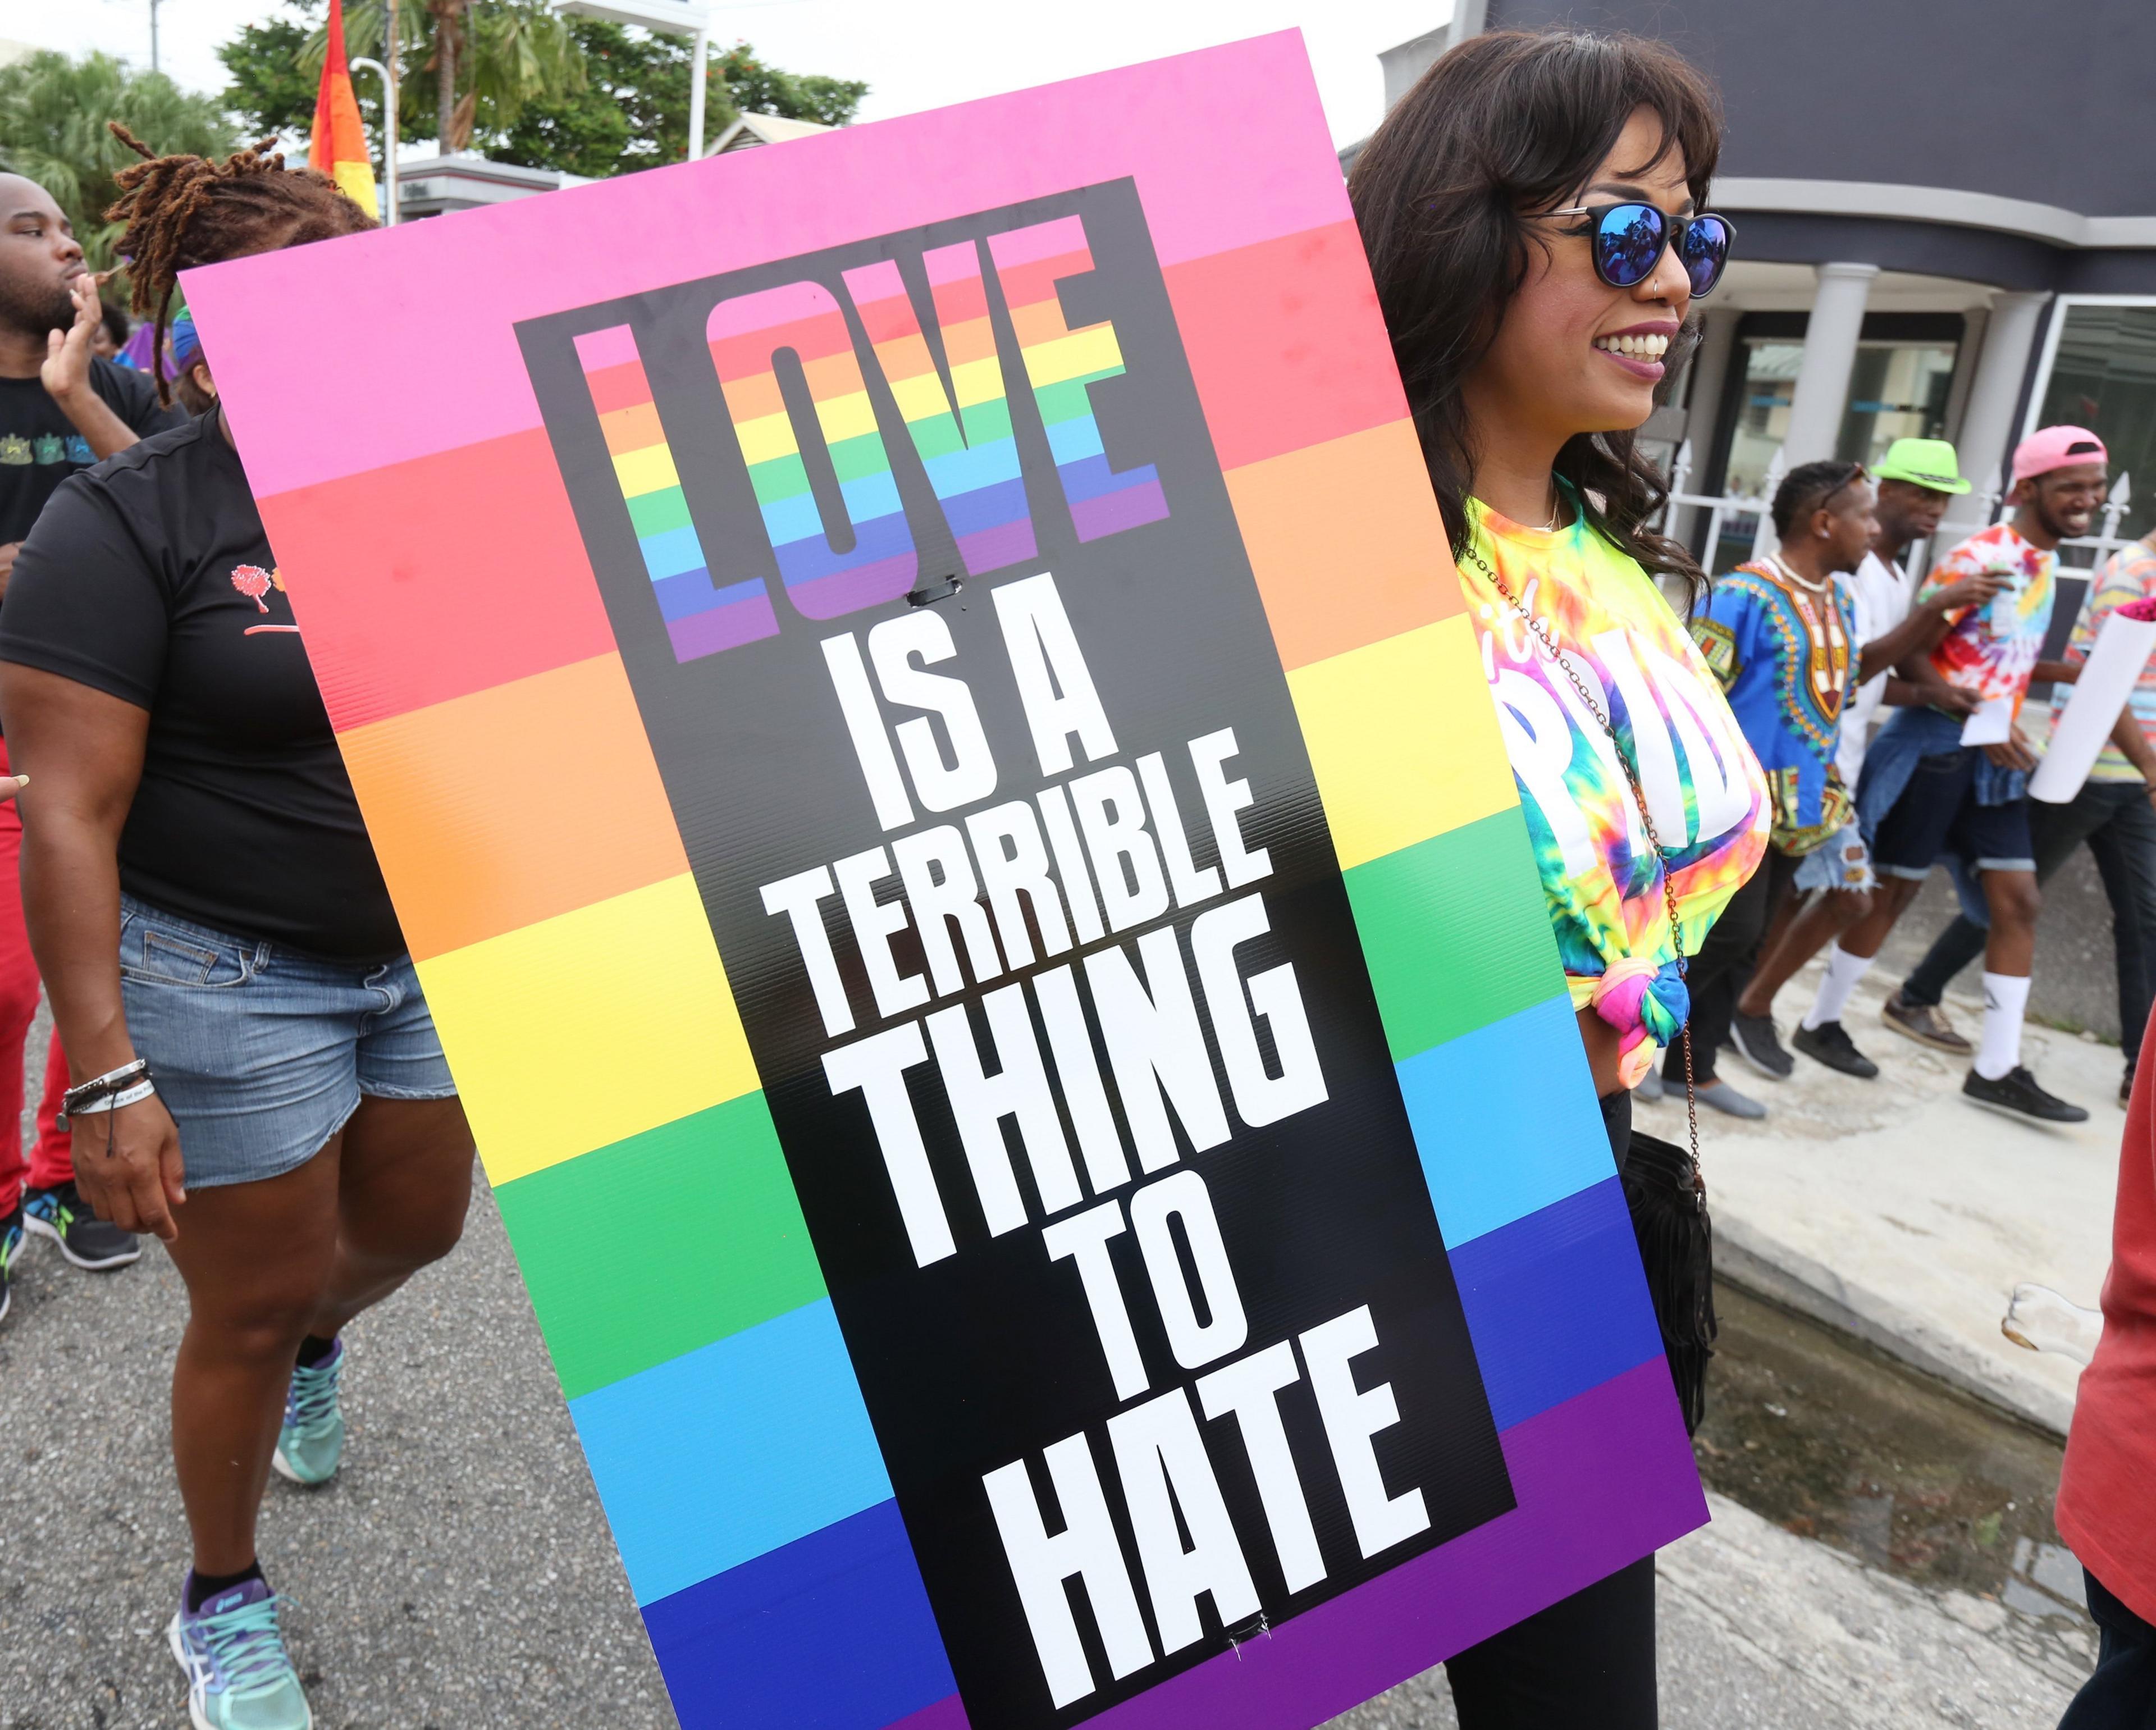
point(1898, 389)
point(2101, 375)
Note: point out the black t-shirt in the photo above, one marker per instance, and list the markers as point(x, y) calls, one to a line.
point(150, 579)
point(39, 447)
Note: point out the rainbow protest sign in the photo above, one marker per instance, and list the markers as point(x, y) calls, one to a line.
point(908, 688)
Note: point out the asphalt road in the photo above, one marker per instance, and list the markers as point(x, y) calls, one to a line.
point(457, 1574)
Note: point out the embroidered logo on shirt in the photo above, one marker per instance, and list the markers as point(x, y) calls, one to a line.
point(51, 447)
point(255, 582)
point(15, 451)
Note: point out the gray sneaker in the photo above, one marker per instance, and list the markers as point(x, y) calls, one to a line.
point(1927, 1024)
point(1758, 1045)
point(1724, 1098)
point(1651, 1086)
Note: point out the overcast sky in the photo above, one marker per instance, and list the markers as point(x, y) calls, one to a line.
point(915, 53)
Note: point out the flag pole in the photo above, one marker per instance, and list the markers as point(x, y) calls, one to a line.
point(392, 55)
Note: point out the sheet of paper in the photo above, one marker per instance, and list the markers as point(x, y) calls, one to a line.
point(1992, 724)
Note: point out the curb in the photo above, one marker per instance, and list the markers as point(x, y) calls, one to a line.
point(1748, 1258)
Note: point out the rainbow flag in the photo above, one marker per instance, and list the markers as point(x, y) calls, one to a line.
point(337, 145)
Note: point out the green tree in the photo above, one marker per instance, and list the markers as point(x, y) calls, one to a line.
point(500, 55)
point(629, 110)
point(633, 111)
point(52, 111)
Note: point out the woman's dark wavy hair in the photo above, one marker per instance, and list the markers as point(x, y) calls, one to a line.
point(1506, 125)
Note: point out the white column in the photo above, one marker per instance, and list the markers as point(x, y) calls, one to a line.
point(700, 72)
point(1987, 425)
point(1822, 391)
point(1710, 370)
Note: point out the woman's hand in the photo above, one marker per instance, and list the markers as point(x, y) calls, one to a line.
point(127, 1166)
point(10, 785)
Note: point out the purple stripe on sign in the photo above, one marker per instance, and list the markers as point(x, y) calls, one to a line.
point(849, 590)
point(811, 556)
point(992, 549)
point(1112, 513)
point(727, 627)
point(1603, 1479)
point(946, 1714)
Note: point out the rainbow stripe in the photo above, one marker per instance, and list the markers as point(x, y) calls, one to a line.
point(962, 434)
point(714, 1396)
point(701, 618)
point(746, 334)
point(1063, 364)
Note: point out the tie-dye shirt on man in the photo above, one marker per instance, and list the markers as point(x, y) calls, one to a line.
point(1992, 650)
point(1703, 785)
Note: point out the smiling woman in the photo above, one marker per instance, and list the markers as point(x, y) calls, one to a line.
point(1532, 215)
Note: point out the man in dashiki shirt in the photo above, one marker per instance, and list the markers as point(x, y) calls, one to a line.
point(1780, 634)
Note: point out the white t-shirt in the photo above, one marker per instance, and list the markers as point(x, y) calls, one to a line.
point(1881, 591)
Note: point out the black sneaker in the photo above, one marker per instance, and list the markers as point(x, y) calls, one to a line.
point(88, 1241)
point(2126, 1087)
point(1758, 1044)
point(2017, 1094)
point(1830, 1043)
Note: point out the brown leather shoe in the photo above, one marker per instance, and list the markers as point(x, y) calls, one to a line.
point(1927, 1024)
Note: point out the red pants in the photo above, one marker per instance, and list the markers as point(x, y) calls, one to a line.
point(51, 1161)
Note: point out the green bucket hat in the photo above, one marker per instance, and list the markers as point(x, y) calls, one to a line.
point(1922, 462)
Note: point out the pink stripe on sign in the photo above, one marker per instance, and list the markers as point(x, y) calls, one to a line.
point(1038, 240)
point(614, 347)
point(746, 314)
point(951, 263)
point(1186, 129)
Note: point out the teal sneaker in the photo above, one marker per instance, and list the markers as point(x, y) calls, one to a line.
point(312, 1438)
point(11, 1252)
point(239, 1676)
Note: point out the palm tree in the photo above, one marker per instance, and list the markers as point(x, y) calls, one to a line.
point(502, 53)
point(52, 111)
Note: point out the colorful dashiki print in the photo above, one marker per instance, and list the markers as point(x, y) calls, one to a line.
point(1782, 649)
point(1703, 786)
point(1991, 650)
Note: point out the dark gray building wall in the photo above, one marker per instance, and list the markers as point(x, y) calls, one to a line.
point(2045, 102)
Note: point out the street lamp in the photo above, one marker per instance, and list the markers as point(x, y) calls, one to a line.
point(388, 130)
point(675, 17)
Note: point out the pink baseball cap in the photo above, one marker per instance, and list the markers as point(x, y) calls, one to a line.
point(2051, 448)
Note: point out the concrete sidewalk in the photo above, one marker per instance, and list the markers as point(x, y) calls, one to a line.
point(1899, 1212)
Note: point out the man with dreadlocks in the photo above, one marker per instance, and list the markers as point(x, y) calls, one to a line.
point(257, 1078)
point(62, 409)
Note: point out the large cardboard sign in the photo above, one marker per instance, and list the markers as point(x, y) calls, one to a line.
point(909, 691)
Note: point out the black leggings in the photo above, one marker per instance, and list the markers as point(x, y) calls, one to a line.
point(1588, 1661)
point(1717, 973)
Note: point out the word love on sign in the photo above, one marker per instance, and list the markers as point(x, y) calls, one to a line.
point(1041, 918)
point(816, 382)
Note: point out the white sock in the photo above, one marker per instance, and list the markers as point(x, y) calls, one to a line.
point(2004, 998)
point(1842, 972)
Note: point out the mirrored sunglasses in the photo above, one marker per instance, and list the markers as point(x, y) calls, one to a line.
point(1626, 242)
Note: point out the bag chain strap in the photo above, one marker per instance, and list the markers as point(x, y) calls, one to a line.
point(1646, 817)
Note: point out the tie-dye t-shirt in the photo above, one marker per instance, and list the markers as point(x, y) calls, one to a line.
point(2127, 576)
point(1991, 650)
point(1703, 785)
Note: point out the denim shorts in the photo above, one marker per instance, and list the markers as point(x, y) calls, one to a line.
point(1843, 863)
point(1938, 813)
point(261, 1053)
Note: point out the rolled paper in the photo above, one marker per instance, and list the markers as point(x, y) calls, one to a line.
point(2080, 728)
